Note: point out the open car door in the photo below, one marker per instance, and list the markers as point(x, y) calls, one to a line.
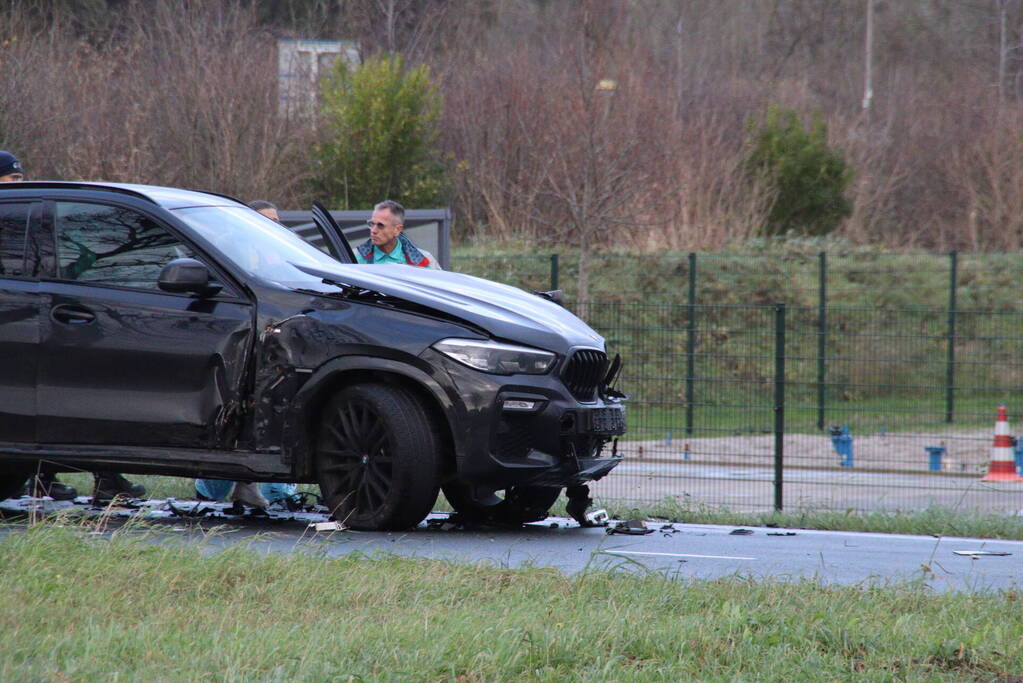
point(333, 237)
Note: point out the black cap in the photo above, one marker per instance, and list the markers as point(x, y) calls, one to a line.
point(9, 164)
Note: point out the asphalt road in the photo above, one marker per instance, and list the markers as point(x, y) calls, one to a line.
point(676, 551)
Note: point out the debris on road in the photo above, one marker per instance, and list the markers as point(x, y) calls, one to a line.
point(741, 532)
point(781, 533)
point(597, 518)
point(980, 553)
point(633, 527)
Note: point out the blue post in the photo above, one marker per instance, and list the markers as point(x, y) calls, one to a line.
point(934, 456)
point(686, 455)
point(842, 440)
point(1017, 449)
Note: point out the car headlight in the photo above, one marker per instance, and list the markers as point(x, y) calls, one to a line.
point(497, 358)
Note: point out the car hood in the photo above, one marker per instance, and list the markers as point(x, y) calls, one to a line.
point(508, 313)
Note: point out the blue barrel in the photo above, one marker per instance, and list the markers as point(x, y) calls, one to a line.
point(934, 456)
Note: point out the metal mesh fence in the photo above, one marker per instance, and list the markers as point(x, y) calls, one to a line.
point(812, 404)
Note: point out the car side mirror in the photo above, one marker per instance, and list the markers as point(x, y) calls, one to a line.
point(187, 276)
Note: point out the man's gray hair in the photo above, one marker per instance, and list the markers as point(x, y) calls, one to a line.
point(396, 209)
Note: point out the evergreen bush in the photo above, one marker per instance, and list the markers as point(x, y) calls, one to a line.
point(806, 177)
point(381, 121)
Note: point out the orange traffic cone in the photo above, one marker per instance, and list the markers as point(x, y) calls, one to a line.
point(1003, 462)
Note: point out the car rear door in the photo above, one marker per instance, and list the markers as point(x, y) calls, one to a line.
point(123, 362)
point(21, 260)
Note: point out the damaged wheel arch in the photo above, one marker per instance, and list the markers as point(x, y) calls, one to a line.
point(334, 376)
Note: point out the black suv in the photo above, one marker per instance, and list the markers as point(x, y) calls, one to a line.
point(166, 331)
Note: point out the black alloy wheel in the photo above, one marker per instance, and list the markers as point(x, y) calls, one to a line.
point(518, 505)
point(377, 458)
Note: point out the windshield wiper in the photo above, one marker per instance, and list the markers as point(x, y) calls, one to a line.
point(348, 290)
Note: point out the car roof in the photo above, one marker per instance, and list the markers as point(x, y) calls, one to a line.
point(167, 197)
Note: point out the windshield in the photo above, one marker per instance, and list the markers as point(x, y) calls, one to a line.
point(258, 245)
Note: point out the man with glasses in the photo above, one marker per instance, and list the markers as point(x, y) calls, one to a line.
point(386, 244)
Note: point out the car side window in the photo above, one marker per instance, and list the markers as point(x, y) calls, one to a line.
point(112, 245)
point(13, 232)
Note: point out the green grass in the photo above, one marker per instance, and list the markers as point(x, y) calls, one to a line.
point(86, 608)
point(753, 415)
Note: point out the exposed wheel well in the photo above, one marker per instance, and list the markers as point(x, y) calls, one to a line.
point(336, 382)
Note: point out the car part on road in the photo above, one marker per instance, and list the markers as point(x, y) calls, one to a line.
point(633, 527)
point(377, 458)
point(597, 518)
point(980, 553)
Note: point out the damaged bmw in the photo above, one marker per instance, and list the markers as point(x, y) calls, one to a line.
point(166, 331)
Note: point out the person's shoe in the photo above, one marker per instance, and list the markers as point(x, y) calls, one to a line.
point(249, 494)
point(109, 486)
point(46, 484)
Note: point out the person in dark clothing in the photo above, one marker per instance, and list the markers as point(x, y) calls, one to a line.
point(106, 486)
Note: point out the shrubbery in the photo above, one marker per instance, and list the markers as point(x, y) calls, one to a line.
point(806, 177)
point(382, 128)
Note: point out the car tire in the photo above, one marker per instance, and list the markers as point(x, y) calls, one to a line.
point(377, 458)
point(518, 505)
point(12, 483)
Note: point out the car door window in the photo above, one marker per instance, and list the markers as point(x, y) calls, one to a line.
point(13, 231)
point(112, 245)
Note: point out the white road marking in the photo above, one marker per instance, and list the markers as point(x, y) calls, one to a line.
point(705, 557)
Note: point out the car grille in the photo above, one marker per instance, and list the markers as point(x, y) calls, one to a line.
point(584, 372)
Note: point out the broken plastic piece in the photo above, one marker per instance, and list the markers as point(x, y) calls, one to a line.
point(781, 533)
point(597, 517)
point(328, 526)
point(981, 553)
point(634, 527)
point(741, 532)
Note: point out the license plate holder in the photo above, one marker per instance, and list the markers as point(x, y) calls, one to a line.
point(607, 421)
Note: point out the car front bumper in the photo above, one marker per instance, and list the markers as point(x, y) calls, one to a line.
point(529, 430)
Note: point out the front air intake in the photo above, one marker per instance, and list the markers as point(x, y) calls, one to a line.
point(583, 373)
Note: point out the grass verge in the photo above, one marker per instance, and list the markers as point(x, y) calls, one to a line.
point(89, 608)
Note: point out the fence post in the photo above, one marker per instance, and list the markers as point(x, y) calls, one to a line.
point(953, 258)
point(554, 272)
point(822, 335)
point(691, 344)
point(779, 402)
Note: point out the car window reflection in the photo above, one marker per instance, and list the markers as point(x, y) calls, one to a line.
point(112, 245)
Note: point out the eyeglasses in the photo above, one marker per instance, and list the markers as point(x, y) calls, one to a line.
point(378, 226)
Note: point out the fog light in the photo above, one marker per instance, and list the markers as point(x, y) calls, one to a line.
point(519, 405)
